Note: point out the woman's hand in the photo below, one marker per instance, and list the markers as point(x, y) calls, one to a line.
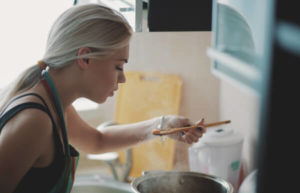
point(173, 121)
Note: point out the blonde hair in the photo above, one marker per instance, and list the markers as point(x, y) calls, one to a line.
point(100, 28)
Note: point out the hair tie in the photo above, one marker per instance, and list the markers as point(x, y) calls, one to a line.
point(42, 65)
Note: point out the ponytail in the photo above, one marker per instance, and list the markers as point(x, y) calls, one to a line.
point(26, 80)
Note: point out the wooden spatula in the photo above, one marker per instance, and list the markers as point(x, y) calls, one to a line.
point(175, 130)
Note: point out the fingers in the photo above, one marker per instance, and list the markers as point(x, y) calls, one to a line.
point(190, 136)
point(190, 139)
point(193, 136)
point(201, 125)
point(200, 122)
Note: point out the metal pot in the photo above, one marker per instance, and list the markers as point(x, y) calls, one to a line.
point(179, 182)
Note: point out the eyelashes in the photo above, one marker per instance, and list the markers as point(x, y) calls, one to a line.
point(119, 68)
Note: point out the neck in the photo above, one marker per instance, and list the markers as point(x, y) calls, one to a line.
point(65, 87)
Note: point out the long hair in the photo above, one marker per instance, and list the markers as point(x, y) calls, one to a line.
point(100, 28)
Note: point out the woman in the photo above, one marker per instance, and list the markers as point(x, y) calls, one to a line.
point(86, 51)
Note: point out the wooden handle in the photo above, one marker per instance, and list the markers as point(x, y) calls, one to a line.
point(217, 123)
point(175, 130)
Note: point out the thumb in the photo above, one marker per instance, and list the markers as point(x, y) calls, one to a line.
point(200, 122)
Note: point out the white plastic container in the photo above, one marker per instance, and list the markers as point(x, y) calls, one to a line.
point(218, 153)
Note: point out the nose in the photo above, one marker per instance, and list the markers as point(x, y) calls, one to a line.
point(122, 78)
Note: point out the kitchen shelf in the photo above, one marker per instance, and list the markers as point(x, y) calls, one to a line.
point(243, 74)
point(240, 47)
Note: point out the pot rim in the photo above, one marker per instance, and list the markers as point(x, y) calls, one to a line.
point(154, 174)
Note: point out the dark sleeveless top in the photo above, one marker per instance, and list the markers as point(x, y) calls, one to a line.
point(37, 180)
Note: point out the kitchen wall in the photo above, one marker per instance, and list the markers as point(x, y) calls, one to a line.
point(242, 107)
point(203, 95)
point(180, 53)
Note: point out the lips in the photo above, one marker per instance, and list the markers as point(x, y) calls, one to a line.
point(112, 93)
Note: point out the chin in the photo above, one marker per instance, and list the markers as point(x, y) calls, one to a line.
point(102, 100)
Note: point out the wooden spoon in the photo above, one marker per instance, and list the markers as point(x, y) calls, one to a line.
point(175, 130)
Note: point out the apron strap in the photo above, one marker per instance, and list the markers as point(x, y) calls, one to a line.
point(49, 86)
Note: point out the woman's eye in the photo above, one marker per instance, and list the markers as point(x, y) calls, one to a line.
point(119, 68)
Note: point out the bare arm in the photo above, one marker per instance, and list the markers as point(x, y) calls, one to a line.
point(111, 138)
point(22, 141)
point(117, 137)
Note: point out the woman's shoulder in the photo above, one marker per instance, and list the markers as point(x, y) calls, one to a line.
point(30, 121)
point(35, 117)
point(27, 117)
point(24, 139)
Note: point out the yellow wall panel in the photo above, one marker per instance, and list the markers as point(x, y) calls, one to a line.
point(144, 96)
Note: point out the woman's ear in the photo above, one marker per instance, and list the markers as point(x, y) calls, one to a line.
point(83, 62)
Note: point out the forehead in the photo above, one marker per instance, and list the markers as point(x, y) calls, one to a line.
point(122, 53)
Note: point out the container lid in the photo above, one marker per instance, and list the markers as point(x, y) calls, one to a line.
point(222, 136)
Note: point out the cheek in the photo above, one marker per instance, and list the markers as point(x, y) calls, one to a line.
point(104, 78)
point(106, 81)
point(109, 79)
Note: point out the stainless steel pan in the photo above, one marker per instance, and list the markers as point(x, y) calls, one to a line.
point(179, 182)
